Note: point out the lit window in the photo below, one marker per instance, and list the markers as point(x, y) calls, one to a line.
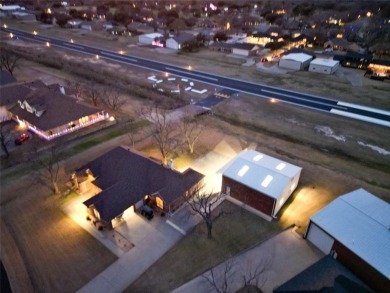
point(258, 157)
point(281, 166)
point(267, 181)
point(243, 170)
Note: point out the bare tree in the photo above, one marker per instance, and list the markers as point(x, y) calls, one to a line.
point(93, 93)
point(5, 137)
point(8, 62)
point(191, 129)
point(201, 203)
point(114, 102)
point(76, 86)
point(162, 130)
point(220, 284)
point(50, 162)
point(132, 132)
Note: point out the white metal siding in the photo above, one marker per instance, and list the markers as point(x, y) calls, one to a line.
point(290, 64)
point(241, 52)
point(319, 238)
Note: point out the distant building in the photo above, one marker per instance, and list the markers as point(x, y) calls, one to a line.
point(295, 61)
point(155, 39)
point(244, 49)
point(177, 42)
point(354, 229)
point(322, 65)
point(260, 181)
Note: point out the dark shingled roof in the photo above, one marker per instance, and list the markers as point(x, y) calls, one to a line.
point(59, 109)
point(221, 45)
point(326, 275)
point(10, 94)
point(183, 37)
point(6, 77)
point(125, 177)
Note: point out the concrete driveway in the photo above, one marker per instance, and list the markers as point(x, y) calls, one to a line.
point(281, 258)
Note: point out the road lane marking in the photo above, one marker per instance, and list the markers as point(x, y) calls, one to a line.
point(361, 117)
point(118, 56)
point(74, 46)
point(368, 109)
point(190, 73)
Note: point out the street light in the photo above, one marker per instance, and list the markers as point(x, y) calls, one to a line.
point(189, 67)
point(97, 56)
point(71, 40)
point(5, 26)
point(35, 33)
point(47, 44)
point(11, 35)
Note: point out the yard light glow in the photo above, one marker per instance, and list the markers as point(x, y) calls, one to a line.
point(121, 52)
point(189, 67)
point(22, 125)
point(35, 33)
point(273, 100)
point(71, 40)
point(111, 118)
point(47, 44)
point(5, 26)
point(97, 56)
point(11, 35)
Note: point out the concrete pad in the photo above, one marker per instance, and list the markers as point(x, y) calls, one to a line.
point(281, 257)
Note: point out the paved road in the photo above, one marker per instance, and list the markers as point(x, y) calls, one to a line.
point(353, 111)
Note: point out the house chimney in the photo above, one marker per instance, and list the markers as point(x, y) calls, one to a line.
point(170, 164)
point(62, 90)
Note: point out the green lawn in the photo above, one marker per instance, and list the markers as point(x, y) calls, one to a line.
point(233, 232)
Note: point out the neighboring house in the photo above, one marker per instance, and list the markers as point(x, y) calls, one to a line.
point(259, 38)
point(6, 78)
point(244, 49)
point(24, 16)
point(322, 65)
point(75, 23)
point(326, 275)
point(260, 181)
point(300, 41)
point(354, 60)
point(140, 28)
point(354, 229)
point(126, 180)
point(9, 97)
point(177, 42)
point(91, 25)
point(342, 44)
point(50, 113)
point(155, 39)
point(380, 67)
point(221, 47)
point(295, 61)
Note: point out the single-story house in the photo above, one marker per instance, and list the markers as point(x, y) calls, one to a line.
point(221, 47)
point(177, 42)
point(150, 39)
point(260, 181)
point(354, 229)
point(354, 60)
point(50, 113)
point(92, 25)
point(325, 275)
point(244, 49)
point(140, 28)
point(24, 16)
point(259, 38)
point(127, 180)
point(75, 23)
point(323, 65)
point(380, 67)
point(295, 61)
point(342, 44)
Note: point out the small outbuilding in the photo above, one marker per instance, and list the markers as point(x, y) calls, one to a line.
point(260, 181)
point(323, 65)
point(245, 49)
point(149, 39)
point(295, 61)
point(355, 229)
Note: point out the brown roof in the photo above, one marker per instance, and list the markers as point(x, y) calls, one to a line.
point(59, 109)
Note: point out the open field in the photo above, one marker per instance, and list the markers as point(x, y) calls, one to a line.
point(233, 232)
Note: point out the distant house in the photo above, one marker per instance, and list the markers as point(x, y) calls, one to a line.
point(51, 114)
point(322, 65)
point(155, 39)
point(24, 16)
point(221, 47)
point(354, 229)
point(342, 44)
point(244, 49)
point(354, 60)
point(126, 180)
point(140, 28)
point(92, 25)
point(260, 181)
point(177, 42)
point(295, 61)
point(75, 23)
point(259, 38)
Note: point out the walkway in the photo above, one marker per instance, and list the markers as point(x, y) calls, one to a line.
point(281, 257)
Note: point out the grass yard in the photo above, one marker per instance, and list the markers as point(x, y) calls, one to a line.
point(55, 254)
point(233, 232)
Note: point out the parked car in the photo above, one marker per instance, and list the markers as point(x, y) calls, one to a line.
point(147, 212)
point(22, 138)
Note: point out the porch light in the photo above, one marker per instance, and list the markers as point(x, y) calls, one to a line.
point(22, 125)
point(111, 118)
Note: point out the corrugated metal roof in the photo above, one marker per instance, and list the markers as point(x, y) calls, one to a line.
point(260, 167)
point(324, 61)
point(361, 222)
